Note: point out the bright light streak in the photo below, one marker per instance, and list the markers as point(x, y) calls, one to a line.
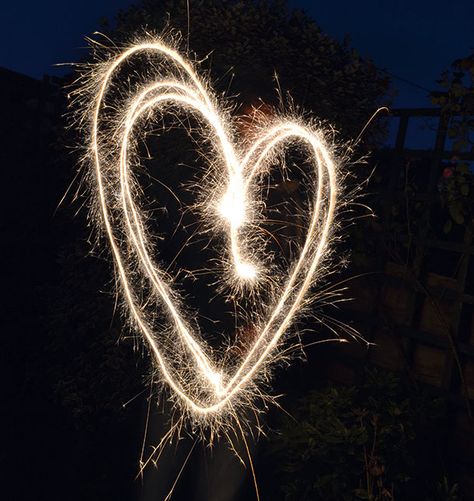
point(206, 385)
point(232, 205)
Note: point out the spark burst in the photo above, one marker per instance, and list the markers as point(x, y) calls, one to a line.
point(210, 386)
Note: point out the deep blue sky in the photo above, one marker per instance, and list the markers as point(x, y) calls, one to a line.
point(414, 39)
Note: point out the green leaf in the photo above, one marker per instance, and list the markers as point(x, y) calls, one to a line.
point(448, 225)
point(361, 494)
point(460, 145)
point(456, 213)
point(452, 132)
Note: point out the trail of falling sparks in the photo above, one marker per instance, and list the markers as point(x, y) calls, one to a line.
point(206, 386)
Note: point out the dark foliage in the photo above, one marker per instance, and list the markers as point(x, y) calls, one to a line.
point(371, 441)
point(456, 185)
point(249, 42)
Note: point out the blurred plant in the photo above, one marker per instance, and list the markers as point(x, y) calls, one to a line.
point(445, 491)
point(353, 443)
point(456, 183)
point(456, 187)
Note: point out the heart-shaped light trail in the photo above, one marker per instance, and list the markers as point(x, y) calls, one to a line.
point(205, 384)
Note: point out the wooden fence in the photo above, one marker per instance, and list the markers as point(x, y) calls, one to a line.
point(417, 304)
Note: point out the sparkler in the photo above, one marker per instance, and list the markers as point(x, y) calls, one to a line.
point(208, 385)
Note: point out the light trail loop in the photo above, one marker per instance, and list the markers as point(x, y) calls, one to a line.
point(202, 384)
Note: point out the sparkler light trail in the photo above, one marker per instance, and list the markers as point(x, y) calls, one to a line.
point(207, 384)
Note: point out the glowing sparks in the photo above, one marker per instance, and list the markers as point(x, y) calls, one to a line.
point(205, 382)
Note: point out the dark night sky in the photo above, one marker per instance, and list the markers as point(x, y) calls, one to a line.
point(412, 39)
